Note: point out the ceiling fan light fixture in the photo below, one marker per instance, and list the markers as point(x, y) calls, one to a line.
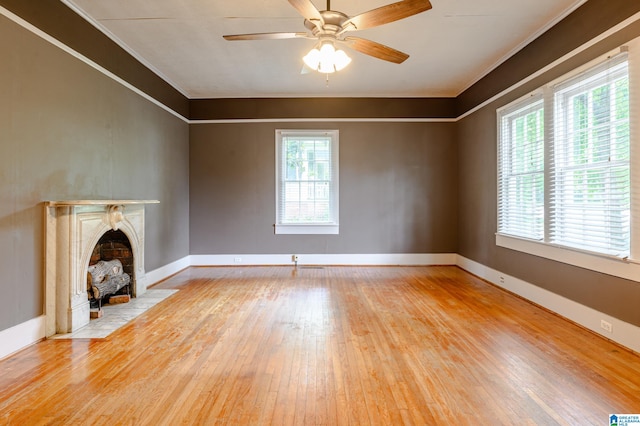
point(327, 59)
point(329, 26)
point(312, 59)
point(341, 59)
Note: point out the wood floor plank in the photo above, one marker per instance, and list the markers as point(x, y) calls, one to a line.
point(341, 345)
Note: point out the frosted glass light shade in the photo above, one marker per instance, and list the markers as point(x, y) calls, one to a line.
point(326, 59)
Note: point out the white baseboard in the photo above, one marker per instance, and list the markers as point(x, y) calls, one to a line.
point(157, 275)
point(20, 336)
point(325, 259)
point(623, 333)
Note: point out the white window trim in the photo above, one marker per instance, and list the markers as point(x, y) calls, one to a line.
point(332, 228)
point(623, 268)
point(307, 229)
point(627, 268)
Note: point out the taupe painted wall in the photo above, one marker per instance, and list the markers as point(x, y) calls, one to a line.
point(398, 185)
point(327, 108)
point(69, 132)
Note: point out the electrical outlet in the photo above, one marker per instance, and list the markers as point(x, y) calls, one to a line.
point(501, 279)
point(294, 257)
point(237, 259)
point(606, 326)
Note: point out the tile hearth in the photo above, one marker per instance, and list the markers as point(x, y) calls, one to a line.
point(115, 316)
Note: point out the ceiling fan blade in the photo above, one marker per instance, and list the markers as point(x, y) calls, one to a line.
point(307, 9)
point(265, 36)
point(376, 50)
point(389, 13)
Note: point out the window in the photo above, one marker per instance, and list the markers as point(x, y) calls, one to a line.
point(563, 163)
point(307, 182)
point(521, 169)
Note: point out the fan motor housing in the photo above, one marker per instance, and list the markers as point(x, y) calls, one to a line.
point(333, 21)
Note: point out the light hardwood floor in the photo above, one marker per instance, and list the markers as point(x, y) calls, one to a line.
point(325, 346)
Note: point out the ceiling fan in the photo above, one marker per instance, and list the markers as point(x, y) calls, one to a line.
point(330, 26)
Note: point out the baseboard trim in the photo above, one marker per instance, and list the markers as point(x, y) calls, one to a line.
point(623, 333)
point(164, 272)
point(20, 336)
point(325, 259)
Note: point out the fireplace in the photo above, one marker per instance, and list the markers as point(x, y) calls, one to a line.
point(73, 230)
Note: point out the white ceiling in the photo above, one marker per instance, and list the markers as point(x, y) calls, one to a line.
point(451, 46)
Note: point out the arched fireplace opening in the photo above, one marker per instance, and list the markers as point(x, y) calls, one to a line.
point(110, 275)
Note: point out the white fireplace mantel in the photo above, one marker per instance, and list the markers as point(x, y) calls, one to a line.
point(72, 230)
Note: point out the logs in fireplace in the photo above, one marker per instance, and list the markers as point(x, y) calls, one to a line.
point(104, 279)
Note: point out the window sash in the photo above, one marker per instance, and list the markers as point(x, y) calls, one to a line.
point(307, 181)
point(590, 174)
point(521, 169)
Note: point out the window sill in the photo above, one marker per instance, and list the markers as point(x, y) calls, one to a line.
point(307, 229)
point(610, 265)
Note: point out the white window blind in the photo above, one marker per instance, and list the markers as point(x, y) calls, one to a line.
point(521, 169)
point(307, 182)
point(589, 194)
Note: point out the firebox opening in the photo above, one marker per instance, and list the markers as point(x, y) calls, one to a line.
point(111, 271)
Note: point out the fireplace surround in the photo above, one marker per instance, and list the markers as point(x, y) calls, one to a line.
point(72, 230)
